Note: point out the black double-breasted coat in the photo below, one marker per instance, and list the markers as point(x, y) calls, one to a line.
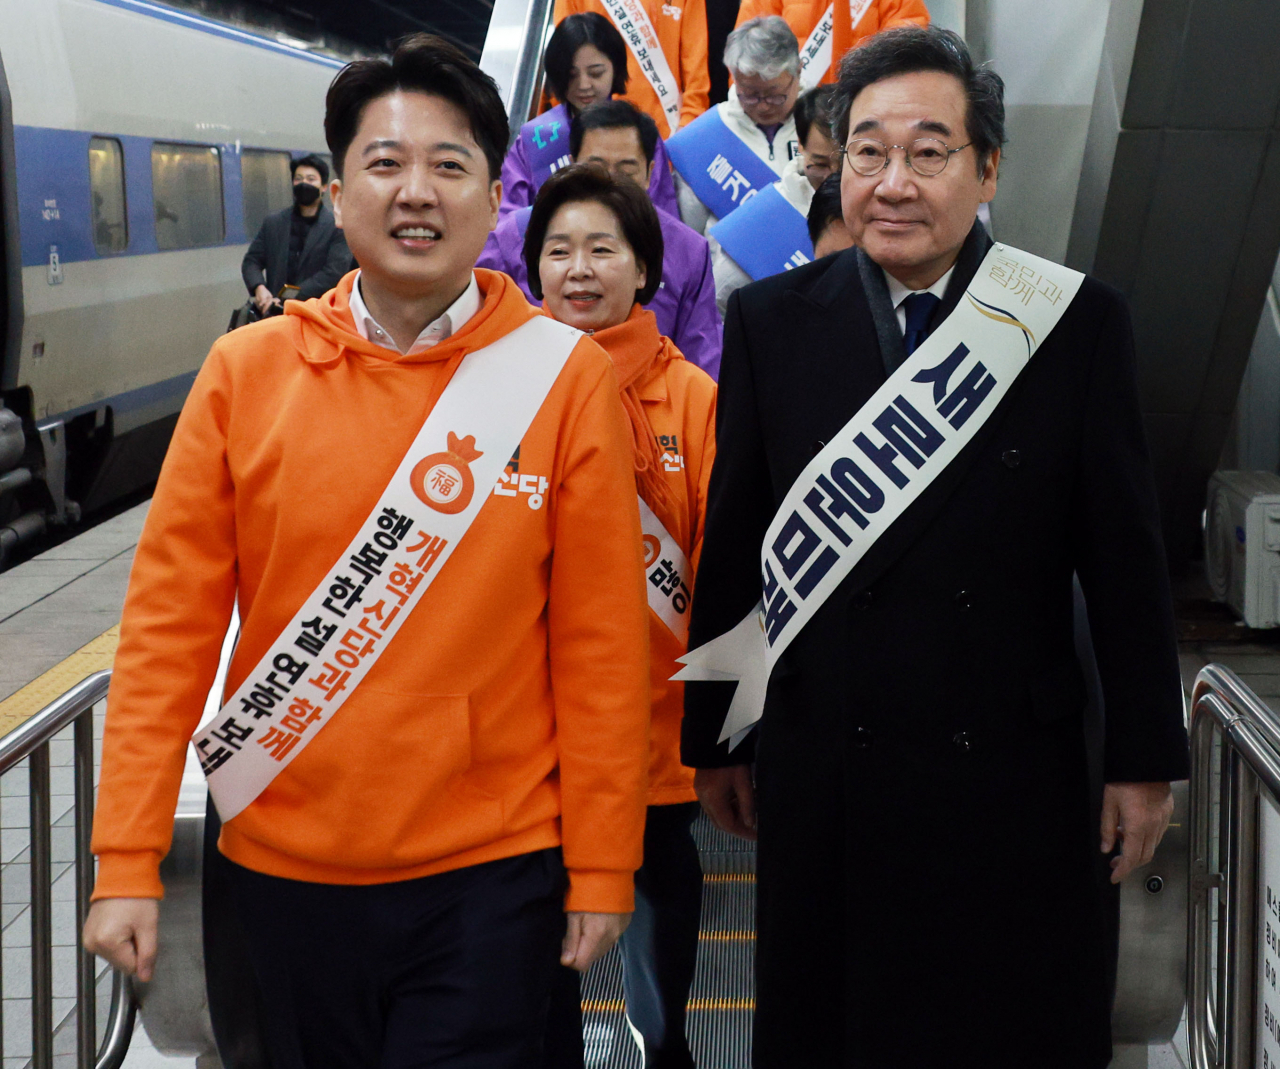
point(930, 886)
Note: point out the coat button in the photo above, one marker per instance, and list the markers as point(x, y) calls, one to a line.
point(818, 446)
point(863, 738)
point(863, 599)
point(962, 742)
point(964, 601)
point(1012, 458)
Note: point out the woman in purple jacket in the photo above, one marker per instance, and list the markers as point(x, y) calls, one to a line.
point(585, 63)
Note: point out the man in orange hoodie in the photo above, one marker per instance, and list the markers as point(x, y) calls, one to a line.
point(397, 845)
point(827, 29)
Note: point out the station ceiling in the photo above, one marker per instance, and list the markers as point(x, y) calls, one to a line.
point(369, 25)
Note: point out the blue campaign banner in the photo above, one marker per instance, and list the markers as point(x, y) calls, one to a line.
point(718, 165)
point(768, 236)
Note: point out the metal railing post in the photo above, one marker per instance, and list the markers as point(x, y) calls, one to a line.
point(1221, 1025)
point(1205, 879)
point(41, 911)
point(86, 986)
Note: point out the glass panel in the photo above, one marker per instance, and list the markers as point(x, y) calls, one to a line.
point(186, 181)
point(106, 185)
point(268, 186)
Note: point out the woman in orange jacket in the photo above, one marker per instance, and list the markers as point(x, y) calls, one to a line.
point(594, 253)
point(853, 21)
point(681, 30)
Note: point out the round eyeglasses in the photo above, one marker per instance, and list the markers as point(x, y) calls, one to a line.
point(926, 156)
point(774, 100)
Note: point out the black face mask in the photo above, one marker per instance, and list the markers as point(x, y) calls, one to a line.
point(305, 194)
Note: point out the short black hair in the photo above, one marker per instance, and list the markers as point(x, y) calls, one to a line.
point(421, 63)
point(812, 107)
point(914, 48)
point(629, 203)
point(825, 208)
point(588, 28)
point(614, 115)
point(313, 161)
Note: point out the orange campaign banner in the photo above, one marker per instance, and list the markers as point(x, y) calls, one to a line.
point(348, 621)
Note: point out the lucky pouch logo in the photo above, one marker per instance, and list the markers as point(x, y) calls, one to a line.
point(443, 480)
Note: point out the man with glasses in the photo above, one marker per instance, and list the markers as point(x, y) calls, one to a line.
point(771, 233)
point(920, 440)
point(729, 154)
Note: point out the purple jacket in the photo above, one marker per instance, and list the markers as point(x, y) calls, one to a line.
point(543, 147)
point(685, 304)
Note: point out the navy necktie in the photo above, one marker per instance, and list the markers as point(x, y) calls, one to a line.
point(919, 308)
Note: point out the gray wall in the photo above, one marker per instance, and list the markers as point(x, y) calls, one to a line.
point(1179, 208)
point(1047, 54)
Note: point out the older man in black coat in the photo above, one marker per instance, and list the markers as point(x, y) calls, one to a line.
point(932, 884)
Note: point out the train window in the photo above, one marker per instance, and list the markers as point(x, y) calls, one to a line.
point(186, 181)
point(106, 185)
point(268, 186)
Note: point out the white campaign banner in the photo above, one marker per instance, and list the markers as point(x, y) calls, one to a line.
point(880, 462)
point(669, 578)
point(637, 30)
point(815, 53)
point(339, 633)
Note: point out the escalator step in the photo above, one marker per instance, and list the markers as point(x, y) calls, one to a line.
point(722, 999)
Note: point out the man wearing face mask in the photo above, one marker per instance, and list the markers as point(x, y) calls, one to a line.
point(300, 246)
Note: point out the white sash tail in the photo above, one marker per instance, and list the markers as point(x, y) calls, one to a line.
point(351, 617)
point(669, 577)
point(881, 461)
point(642, 39)
point(815, 53)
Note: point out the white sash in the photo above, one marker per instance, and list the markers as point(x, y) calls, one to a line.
point(633, 23)
point(348, 621)
point(881, 461)
point(670, 579)
point(815, 55)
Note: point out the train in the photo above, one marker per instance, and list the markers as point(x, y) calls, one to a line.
point(141, 146)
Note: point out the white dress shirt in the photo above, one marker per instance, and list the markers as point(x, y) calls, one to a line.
point(899, 293)
point(453, 319)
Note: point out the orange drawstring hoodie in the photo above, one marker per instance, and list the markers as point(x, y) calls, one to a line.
point(672, 407)
point(509, 714)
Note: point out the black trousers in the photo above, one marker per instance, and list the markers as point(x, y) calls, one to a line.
point(659, 950)
point(443, 972)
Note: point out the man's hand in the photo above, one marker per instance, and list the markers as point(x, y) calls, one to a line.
point(588, 937)
point(123, 930)
point(1137, 814)
point(263, 299)
point(729, 798)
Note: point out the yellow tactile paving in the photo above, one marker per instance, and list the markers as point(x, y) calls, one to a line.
point(89, 658)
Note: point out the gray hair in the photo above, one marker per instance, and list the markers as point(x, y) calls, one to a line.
point(764, 47)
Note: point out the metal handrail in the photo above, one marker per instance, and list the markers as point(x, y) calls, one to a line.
point(30, 741)
point(513, 56)
point(1235, 738)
